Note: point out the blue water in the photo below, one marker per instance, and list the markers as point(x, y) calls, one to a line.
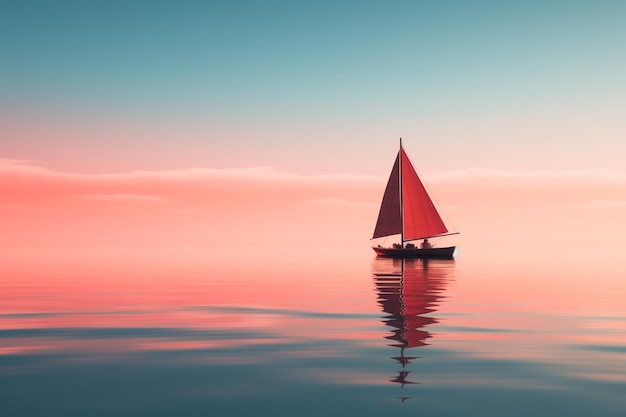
point(119, 335)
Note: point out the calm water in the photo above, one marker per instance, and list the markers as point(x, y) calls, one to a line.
point(311, 331)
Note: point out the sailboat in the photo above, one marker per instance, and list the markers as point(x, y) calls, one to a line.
point(407, 210)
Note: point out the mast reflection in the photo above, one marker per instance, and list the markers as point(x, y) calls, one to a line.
point(408, 290)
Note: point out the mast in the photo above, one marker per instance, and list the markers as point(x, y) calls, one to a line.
point(400, 191)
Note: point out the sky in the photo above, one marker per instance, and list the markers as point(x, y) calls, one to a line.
point(158, 120)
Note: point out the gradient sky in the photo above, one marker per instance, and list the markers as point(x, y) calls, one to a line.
point(491, 97)
point(313, 87)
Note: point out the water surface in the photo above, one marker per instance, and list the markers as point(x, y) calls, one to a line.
point(311, 331)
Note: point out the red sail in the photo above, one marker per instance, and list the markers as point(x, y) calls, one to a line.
point(390, 218)
point(420, 216)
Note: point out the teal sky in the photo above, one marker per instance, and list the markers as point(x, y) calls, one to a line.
point(313, 87)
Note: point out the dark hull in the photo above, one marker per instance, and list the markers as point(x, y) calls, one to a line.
point(441, 253)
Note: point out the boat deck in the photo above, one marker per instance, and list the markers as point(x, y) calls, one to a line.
point(441, 253)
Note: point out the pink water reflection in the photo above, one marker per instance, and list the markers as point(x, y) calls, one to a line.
point(557, 306)
point(562, 307)
point(49, 296)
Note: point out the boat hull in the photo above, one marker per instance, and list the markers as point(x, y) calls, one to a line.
point(440, 253)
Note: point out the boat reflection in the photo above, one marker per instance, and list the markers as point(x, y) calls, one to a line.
point(408, 290)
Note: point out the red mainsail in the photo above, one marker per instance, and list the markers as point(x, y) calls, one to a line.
point(421, 218)
point(405, 196)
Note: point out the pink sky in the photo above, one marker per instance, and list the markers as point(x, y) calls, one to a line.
point(265, 205)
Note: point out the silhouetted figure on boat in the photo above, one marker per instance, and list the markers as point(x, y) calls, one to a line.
point(426, 244)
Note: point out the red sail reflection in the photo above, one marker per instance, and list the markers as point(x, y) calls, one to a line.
point(408, 289)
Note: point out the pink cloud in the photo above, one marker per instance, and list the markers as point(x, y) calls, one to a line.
point(345, 203)
point(123, 197)
point(533, 178)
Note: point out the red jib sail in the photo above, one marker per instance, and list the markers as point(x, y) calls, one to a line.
point(421, 218)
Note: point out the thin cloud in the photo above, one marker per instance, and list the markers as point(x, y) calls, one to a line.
point(248, 174)
point(267, 174)
point(593, 175)
point(123, 197)
point(22, 166)
point(28, 184)
point(595, 204)
point(342, 202)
